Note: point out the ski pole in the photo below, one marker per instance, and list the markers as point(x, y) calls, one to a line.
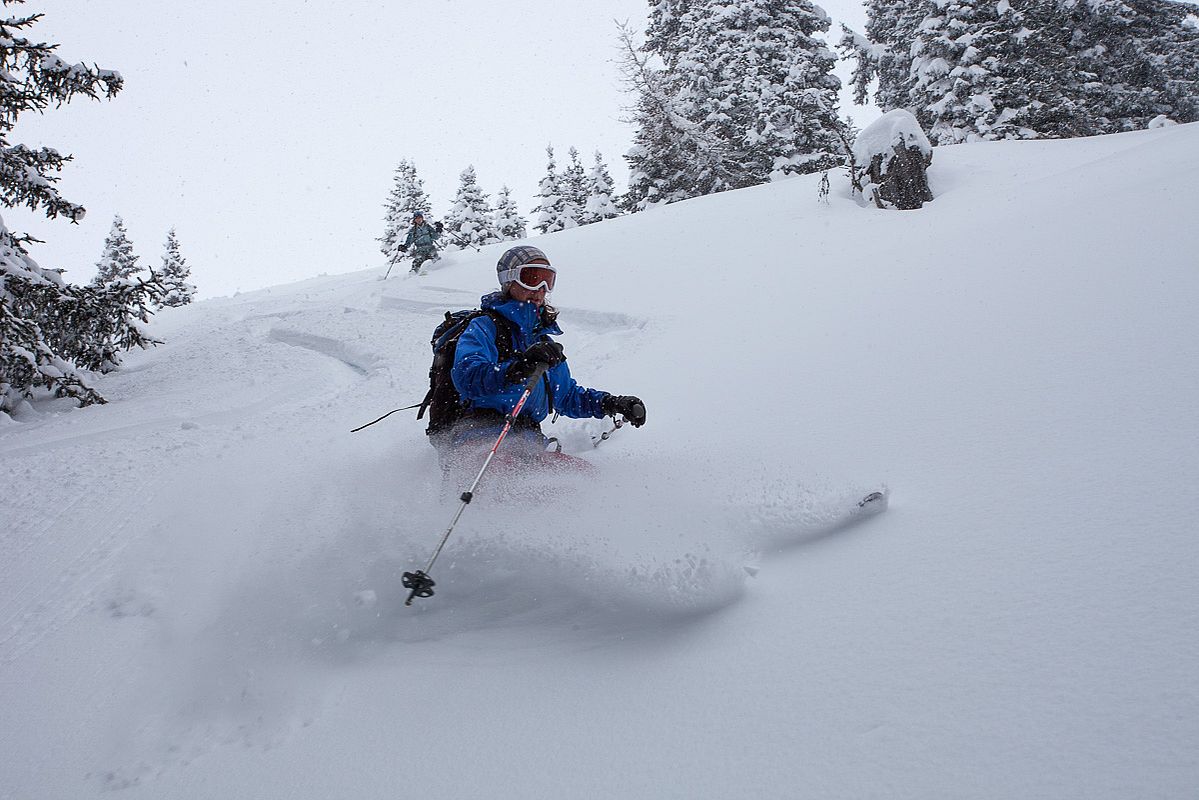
point(391, 265)
point(596, 441)
point(419, 582)
point(463, 243)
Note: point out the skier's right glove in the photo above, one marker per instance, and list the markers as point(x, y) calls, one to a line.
point(631, 407)
point(544, 352)
point(403, 248)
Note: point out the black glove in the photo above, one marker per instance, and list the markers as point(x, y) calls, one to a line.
point(403, 248)
point(438, 226)
point(631, 407)
point(544, 352)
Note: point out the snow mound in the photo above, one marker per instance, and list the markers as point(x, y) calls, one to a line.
point(898, 127)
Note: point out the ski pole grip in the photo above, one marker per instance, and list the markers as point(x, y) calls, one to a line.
point(538, 371)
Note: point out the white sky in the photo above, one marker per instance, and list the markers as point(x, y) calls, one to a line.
point(267, 131)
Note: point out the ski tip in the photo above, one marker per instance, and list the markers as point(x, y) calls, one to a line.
point(875, 501)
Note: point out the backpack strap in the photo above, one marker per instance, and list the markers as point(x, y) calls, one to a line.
point(503, 343)
point(503, 334)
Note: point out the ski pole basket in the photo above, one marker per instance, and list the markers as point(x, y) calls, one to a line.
point(420, 584)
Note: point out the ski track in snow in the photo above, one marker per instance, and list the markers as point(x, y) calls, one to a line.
point(359, 362)
point(54, 589)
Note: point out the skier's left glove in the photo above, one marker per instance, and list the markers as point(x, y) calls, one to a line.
point(437, 226)
point(631, 407)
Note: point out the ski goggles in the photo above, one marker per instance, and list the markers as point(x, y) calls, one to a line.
point(531, 276)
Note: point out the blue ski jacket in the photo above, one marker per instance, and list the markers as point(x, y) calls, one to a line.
point(480, 377)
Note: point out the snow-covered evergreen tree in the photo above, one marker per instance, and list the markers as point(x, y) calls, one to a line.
point(1030, 68)
point(49, 328)
point(600, 205)
point(35, 78)
point(118, 262)
point(885, 51)
point(574, 184)
point(33, 302)
point(108, 321)
point(470, 221)
point(176, 274)
point(1137, 60)
point(553, 210)
point(672, 157)
point(507, 221)
point(745, 92)
point(760, 80)
point(997, 71)
point(666, 25)
point(406, 198)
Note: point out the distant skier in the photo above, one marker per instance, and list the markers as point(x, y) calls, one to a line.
point(422, 238)
point(490, 386)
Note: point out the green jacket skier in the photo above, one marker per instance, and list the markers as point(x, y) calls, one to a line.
point(422, 238)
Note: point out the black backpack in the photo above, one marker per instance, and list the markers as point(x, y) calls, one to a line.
point(443, 402)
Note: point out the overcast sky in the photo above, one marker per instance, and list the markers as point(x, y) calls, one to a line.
point(267, 131)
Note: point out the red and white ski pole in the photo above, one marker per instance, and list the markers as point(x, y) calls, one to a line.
point(419, 582)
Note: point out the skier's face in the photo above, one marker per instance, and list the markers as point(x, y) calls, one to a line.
point(534, 296)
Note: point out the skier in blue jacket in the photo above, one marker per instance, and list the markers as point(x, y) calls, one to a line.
point(490, 387)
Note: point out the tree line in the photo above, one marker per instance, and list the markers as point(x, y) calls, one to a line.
point(734, 93)
point(566, 199)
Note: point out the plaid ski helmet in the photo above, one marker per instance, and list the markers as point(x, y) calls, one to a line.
point(507, 269)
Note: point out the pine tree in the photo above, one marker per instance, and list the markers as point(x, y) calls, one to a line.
point(406, 198)
point(33, 304)
point(49, 328)
point(1019, 69)
point(666, 25)
point(745, 93)
point(997, 71)
point(574, 184)
point(885, 51)
point(760, 80)
point(35, 78)
point(553, 211)
point(106, 321)
point(507, 221)
point(470, 221)
point(117, 263)
point(176, 274)
point(672, 157)
point(599, 205)
point(1137, 59)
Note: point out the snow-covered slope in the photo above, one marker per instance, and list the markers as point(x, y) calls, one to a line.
point(199, 590)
